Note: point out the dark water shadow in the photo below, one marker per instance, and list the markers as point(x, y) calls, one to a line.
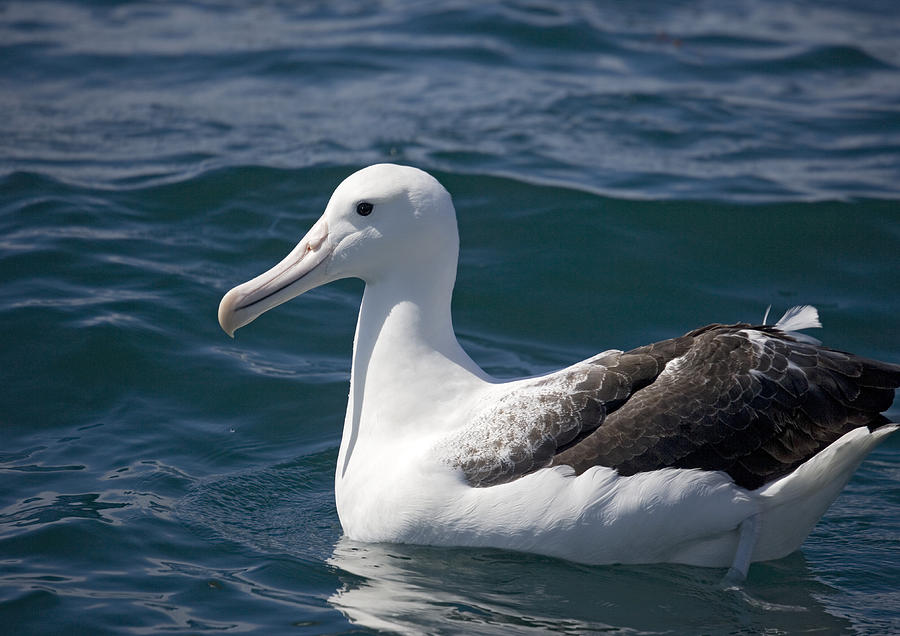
point(285, 509)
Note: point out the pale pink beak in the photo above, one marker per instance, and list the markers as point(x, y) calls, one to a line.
point(301, 270)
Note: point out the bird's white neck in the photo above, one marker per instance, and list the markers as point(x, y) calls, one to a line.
point(408, 367)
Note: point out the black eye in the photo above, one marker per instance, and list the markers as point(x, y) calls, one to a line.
point(364, 209)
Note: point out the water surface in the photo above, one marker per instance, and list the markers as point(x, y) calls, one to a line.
point(622, 174)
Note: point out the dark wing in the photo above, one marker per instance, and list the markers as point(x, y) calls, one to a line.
point(754, 402)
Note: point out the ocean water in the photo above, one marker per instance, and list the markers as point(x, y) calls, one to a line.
point(623, 172)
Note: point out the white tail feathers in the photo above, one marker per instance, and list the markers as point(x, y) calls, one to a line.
point(797, 318)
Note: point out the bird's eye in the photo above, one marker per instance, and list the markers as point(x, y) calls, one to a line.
point(364, 208)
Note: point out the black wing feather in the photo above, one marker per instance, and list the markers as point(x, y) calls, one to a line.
point(755, 406)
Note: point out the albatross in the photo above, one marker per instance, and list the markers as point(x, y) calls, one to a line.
point(717, 448)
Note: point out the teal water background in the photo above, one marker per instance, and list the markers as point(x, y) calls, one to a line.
point(623, 172)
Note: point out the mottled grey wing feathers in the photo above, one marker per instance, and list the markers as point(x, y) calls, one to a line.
point(525, 429)
point(751, 401)
point(521, 432)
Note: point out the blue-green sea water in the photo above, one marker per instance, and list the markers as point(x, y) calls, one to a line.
point(623, 172)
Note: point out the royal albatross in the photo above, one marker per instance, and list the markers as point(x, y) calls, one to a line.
point(718, 448)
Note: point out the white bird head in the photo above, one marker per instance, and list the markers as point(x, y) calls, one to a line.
point(381, 220)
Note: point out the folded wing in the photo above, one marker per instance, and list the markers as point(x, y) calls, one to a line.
point(752, 401)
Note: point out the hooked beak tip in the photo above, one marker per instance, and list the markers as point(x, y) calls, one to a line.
point(226, 314)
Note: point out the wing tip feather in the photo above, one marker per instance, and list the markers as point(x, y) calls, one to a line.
point(798, 318)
